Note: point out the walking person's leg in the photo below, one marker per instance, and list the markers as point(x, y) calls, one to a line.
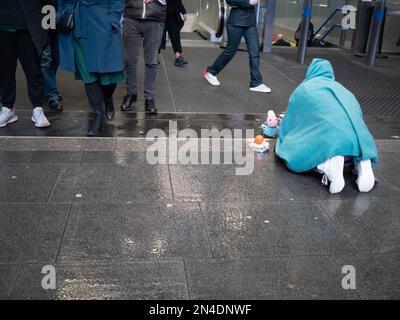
point(152, 35)
point(256, 79)
point(174, 27)
point(235, 34)
point(108, 92)
point(95, 95)
point(8, 67)
point(30, 62)
point(50, 64)
point(132, 44)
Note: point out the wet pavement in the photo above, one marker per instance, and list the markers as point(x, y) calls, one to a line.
point(116, 227)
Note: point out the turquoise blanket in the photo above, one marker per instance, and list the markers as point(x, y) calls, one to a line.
point(323, 120)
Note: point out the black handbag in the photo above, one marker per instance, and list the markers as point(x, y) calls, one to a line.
point(66, 21)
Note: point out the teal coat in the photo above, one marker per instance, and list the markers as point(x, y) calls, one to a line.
point(323, 120)
point(97, 26)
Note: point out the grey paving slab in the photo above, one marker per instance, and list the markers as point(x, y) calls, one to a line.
point(8, 275)
point(388, 171)
point(109, 183)
point(57, 144)
point(371, 226)
point(29, 157)
point(31, 233)
point(27, 182)
point(263, 279)
point(118, 232)
point(267, 228)
point(219, 183)
point(377, 276)
point(156, 280)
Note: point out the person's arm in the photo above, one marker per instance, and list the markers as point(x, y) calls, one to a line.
point(116, 10)
point(181, 7)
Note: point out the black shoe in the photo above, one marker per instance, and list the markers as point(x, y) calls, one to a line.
point(181, 61)
point(150, 106)
point(129, 99)
point(96, 125)
point(55, 105)
point(110, 112)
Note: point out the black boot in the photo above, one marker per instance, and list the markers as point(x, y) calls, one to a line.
point(96, 125)
point(150, 106)
point(110, 112)
point(129, 99)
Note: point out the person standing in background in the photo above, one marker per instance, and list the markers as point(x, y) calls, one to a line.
point(22, 38)
point(242, 22)
point(143, 27)
point(50, 63)
point(93, 50)
point(176, 18)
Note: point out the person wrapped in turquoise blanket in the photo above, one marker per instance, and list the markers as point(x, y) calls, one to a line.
point(322, 127)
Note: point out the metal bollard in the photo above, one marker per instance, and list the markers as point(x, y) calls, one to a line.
point(305, 27)
point(376, 30)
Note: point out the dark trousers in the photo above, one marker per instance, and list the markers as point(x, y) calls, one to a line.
point(19, 46)
point(50, 63)
point(174, 25)
point(147, 34)
point(235, 34)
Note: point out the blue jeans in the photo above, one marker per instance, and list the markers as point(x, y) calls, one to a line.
point(50, 63)
point(235, 34)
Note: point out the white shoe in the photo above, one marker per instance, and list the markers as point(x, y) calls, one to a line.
point(7, 116)
point(261, 88)
point(333, 171)
point(366, 178)
point(213, 80)
point(39, 118)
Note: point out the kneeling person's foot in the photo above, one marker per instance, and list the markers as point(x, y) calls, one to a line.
point(261, 88)
point(129, 99)
point(7, 116)
point(333, 171)
point(39, 118)
point(150, 106)
point(366, 178)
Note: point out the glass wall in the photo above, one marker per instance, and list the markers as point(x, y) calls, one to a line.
point(288, 18)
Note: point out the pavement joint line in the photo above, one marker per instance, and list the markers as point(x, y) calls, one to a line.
point(168, 83)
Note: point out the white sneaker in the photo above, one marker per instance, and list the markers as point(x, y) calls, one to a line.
point(213, 80)
point(333, 171)
point(39, 118)
point(7, 116)
point(261, 88)
point(366, 178)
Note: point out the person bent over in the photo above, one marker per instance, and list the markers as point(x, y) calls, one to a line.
point(323, 128)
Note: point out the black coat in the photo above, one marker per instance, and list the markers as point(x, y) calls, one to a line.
point(175, 7)
point(242, 13)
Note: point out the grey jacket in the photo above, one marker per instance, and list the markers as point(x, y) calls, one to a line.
point(156, 10)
